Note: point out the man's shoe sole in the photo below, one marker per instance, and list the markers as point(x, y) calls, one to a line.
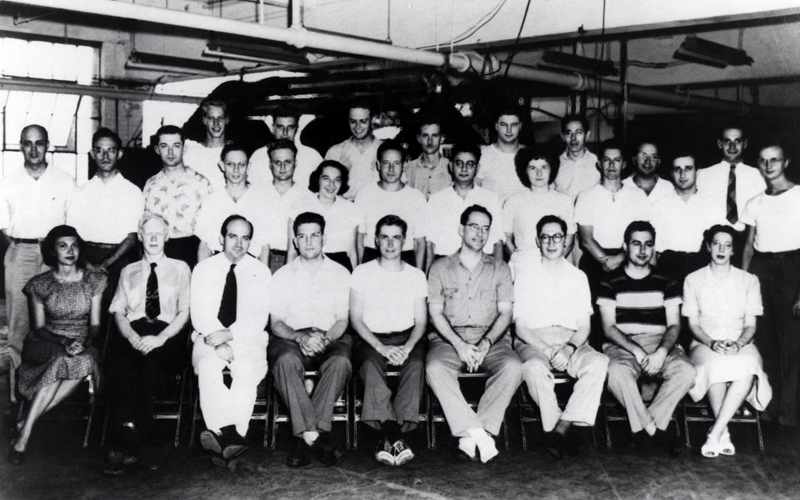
point(210, 442)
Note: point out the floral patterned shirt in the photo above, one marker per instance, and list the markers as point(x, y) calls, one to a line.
point(177, 201)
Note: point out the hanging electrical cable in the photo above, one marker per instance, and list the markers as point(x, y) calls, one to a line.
point(516, 42)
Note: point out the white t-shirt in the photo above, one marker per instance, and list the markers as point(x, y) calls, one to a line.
point(578, 175)
point(523, 211)
point(776, 219)
point(610, 213)
point(307, 160)
point(407, 203)
point(342, 220)
point(281, 205)
point(661, 190)
point(205, 161)
point(680, 224)
point(389, 298)
point(712, 182)
point(498, 173)
point(106, 212)
point(443, 218)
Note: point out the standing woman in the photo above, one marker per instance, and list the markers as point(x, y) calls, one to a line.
point(58, 354)
point(721, 303)
point(772, 252)
point(344, 222)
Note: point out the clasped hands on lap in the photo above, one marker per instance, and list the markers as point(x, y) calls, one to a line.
point(219, 341)
point(651, 363)
point(472, 354)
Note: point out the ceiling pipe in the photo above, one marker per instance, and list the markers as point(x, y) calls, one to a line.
point(303, 38)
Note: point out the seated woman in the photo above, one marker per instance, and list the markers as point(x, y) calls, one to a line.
point(58, 354)
point(721, 303)
point(344, 222)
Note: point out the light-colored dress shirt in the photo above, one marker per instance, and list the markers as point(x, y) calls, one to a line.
point(680, 224)
point(30, 208)
point(712, 182)
point(106, 212)
point(578, 175)
point(174, 279)
point(610, 213)
point(362, 165)
point(306, 161)
point(523, 211)
point(177, 201)
point(280, 206)
point(661, 190)
point(428, 180)
point(498, 173)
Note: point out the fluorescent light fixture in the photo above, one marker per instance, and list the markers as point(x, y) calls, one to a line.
point(208, 52)
point(701, 51)
point(252, 52)
point(170, 64)
point(571, 62)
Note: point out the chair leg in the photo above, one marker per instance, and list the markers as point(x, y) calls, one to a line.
point(89, 425)
point(347, 400)
point(686, 427)
point(608, 428)
point(522, 422)
point(12, 383)
point(184, 376)
point(760, 435)
point(195, 416)
point(268, 411)
point(356, 416)
point(274, 429)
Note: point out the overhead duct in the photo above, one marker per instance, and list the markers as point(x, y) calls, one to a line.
point(302, 38)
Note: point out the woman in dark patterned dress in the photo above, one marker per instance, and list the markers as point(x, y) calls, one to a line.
point(57, 355)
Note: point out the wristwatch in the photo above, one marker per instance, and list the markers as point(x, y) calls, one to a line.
point(574, 347)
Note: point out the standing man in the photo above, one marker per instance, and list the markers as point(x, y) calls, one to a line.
point(497, 172)
point(470, 299)
point(578, 166)
point(33, 200)
point(309, 320)
point(730, 183)
point(106, 211)
point(176, 193)
point(388, 311)
point(445, 207)
point(203, 157)
point(640, 311)
point(285, 125)
point(552, 316)
point(229, 309)
point(359, 152)
point(645, 176)
point(429, 173)
point(151, 309)
point(391, 196)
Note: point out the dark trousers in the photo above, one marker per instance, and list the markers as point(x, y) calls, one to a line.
point(139, 377)
point(778, 331)
point(184, 249)
point(95, 255)
point(378, 405)
point(594, 273)
point(408, 256)
point(288, 365)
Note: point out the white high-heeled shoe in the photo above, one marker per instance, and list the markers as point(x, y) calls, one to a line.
point(725, 445)
point(711, 447)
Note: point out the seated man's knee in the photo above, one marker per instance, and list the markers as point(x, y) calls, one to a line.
point(287, 362)
point(339, 362)
point(618, 370)
point(537, 368)
point(597, 363)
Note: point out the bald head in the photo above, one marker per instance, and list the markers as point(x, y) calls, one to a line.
point(34, 144)
point(39, 128)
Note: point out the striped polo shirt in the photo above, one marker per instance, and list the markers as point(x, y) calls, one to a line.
point(640, 303)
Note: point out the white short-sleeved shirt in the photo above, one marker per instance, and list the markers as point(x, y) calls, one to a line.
point(342, 220)
point(389, 297)
point(30, 208)
point(610, 213)
point(407, 203)
point(498, 173)
point(252, 205)
point(205, 161)
point(776, 219)
point(280, 206)
point(307, 160)
point(712, 182)
point(304, 299)
point(443, 218)
point(680, 224)
point(362, 164)
point(523, 211)
point(578, 175)
point(547, 296)
point(661, 190)
point(106, 212)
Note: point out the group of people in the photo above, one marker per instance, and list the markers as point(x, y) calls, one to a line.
point(282, 261)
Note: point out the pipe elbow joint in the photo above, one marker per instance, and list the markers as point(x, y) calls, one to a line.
point(299, 37)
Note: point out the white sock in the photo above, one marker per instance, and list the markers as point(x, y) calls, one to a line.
point(467, 445)
point(310, 436)
point(485, 444)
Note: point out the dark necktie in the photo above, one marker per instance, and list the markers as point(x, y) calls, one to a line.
point(152, 307)
point(732, 214)
point(227, 306)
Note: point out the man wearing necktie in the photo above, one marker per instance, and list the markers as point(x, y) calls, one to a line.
point(230, 309)
point(151, 309)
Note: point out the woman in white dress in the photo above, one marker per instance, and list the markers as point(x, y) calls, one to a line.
point(721, 303)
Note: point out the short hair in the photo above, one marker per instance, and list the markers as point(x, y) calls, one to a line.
point(281, 144)
point(428, 119)
point(473, 209)
point(511, 110)
point(639, 226)
point(316, 175)
point(645, 140)
point(224, 229)
point(526, 155)
point(48, 245)
point(34, 125)
point(610, 144)
point(170, 130)
point(148, 216)
point(361, 104)
point(574, 118)
point(309, 218)
point(774, 143)
point(733, 125)
point(234, 146)
point(550, 219)
point(214, 104)
point(286, 111)
point(391, 220)
point(391, 145)
point(463, 146)
point(708, 234)
point(683, 152)
point(106, 133)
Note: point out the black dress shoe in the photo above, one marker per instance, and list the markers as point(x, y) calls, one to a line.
point(554, 444)
point(326, 450)
point(670, 442)
point(235, 444)
point(640, 440)
point(299, 453)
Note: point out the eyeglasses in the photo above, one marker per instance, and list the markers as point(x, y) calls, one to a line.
point(644, 156)
point(609, 161)
point(478, 228)
point(772, 162)
point(461, 164)
point(105, 152)
point(555, 238)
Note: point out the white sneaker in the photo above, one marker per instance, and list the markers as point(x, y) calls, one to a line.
point(402, 453)
point(385, 452)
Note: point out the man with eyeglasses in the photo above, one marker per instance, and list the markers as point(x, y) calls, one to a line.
point(645, 177)
point(106, 211)
point(497, 172)
point(203, 157)
point(730, 183)
point(445, 207)
point(470, 300)
point(552, 316)
point(309, 320)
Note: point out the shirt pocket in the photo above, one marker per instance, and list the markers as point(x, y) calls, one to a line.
point(451, 301)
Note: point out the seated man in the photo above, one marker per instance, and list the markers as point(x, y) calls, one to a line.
point(552, 315)
point(230, 309)
point(470, 297)
point(387, 309)
point(640, 311)
point(309, 320)
point(150, 308)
